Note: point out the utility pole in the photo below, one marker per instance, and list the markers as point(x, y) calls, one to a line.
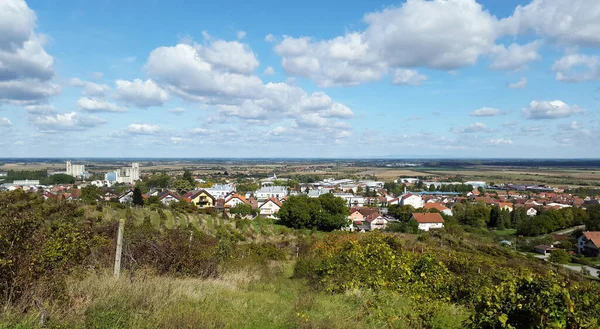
point(119, 250)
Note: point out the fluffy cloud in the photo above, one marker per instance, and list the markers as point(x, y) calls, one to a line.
point(185, 71)
point(269, 38)
point(62, 122)
point(501, 141)
point(484, 112)
point(139, 93)
point(522, 83)
point(407, 77)
point(476, 127)
point(236, 93)
point(571, 126)
point(97, 105)
point(572, 23)
point(550, 110)
point(577, 68)
point(442, 35)
point(509, 124)
point(514, 57)
point(4, 122)
point(241, 34)
point(90, 88)
point(26, 70)
point(40, 109)
point(143, 129)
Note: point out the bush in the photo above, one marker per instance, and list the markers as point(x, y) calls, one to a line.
point(559, 256)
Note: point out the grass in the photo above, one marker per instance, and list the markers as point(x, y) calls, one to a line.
point(243, 299)
point(506, 233)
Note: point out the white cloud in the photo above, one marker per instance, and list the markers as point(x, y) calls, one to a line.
point(522, 83)
point(476, 127)
point(26, 70)
point(514, 57)
point(90, 88)
point(61, 122)
point(186, 72)
point(269, 38)
point(241, 34)
point(143, 129)
point(269, 71)
point(571, 23)
point(577, 68)
point(509, 123)
point(232, 56)
point(139, 93)
point(501, 141)
point(40, 109)
point(177, 110)
point(485, 112)
point(550, 110)
point(407, 77)
point(442, 35)
point(97, 105)
point(531, 129)
point(4, 122)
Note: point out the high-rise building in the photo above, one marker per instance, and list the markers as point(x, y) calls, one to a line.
point(75, 170)
point(128, 175)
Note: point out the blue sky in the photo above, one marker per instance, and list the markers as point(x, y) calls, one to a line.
point(436, 78)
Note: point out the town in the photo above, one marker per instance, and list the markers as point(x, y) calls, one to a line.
point(404, 204)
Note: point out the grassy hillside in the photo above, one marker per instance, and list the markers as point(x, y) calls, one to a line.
point(190, 270)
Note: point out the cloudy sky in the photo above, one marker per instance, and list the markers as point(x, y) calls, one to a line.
point(354, 78)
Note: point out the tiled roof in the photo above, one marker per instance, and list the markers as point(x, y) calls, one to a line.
point(433, 205)
point(594, 237)
point(428, 218)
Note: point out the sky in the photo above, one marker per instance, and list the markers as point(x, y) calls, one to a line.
point(353, 78)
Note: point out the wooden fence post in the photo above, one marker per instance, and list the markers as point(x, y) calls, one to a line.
point(119, 250)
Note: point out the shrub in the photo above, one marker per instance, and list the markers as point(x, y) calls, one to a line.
point(559, 256)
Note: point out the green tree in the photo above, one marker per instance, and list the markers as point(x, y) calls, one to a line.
point(90, 194)
point(559, 256)
point(592, 222)
point(138, 200)
point(334, 214)
point(187, 175)
point(242, 210)
point(325, 213)
point(182, 186)
point(58, 179)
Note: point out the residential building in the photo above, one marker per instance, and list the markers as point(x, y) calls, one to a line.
point(220, 191)
point(26, 182)
point(267, 192)
point(3, 174)
point(235, 200)
point(201, 199)
point(167, 197)
point(589, 244)
point(412, 200)
point(428, 221)
point(270, 207)
point(531, 212)
point(441, 208)
point(126, 197)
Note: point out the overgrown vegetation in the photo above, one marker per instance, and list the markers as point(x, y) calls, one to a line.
point(181, 269)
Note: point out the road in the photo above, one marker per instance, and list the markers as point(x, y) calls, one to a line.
point(593, 272)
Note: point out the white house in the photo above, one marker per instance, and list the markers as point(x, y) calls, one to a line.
point(267, 192)
point(220, 191)
point(441, 208)
point(126, 197)
point(428, 221)
point(234, 200)
point(412, 200)
point(168, 197)
point(531, 212)
point(270, 207)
